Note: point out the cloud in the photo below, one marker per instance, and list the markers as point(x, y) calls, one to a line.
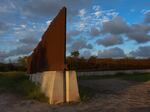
point(7, 6)
point(71, 34)
point(97, 10)
point(94, 17)
point(81, 44)
point(26, 42)
point(144, 11)
point(142, 51)
point(112, 13)
point(139, 37)
point(29, 41)
point(3, 27)
point(48, 22)
point(147, 17)
point(3, 55)
point(39, 8)
point(26, 45)
point(73, 6)
point(111, 53)
point(116, 26)
point(139, 33)
point(21, 50)
point(110, 40)
point(98, 13)
point(82, 20)
point(96, 7)
point(82, 12)
point(29, 35)
point(86, 54)
point(94, 32)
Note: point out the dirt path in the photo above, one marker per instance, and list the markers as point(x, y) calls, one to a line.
point(113, 95)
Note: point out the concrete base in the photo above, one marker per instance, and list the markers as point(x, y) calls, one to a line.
point(72, 92)
point(52, 85)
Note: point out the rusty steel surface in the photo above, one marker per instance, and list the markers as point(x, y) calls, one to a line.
point(49, 55)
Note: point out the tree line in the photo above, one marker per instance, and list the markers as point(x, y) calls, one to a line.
point(76, 62)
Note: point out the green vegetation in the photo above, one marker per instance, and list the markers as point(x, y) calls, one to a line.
point(138, 77)
point(100, 64)
point(19, 83)
point(20, 65)
point(79, 63)
point(75, 54)
point(86, 93)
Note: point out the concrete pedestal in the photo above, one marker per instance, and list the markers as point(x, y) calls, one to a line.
point(52, 85)
point(72, 92)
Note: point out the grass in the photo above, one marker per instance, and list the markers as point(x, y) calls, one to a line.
point(19, 83)
point(87, 93)
point(138, 77)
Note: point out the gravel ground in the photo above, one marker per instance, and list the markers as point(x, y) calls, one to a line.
point(112, 95)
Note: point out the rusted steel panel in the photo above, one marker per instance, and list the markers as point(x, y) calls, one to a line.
point(49, 55)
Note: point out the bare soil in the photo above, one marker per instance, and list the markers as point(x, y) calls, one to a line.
point(111, 95)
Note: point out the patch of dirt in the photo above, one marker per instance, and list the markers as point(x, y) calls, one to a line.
point(113, 95)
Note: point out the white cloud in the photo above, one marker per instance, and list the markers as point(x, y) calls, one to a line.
point(23, 26)
point(104, 19)
point(95, 17)
point(144, 11)
point(86, 54)
point(98, 13)
point(82, 12)
point(96, 7)
point(113, 14)
point(48, 22)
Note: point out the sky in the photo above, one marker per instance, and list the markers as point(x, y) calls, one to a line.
point(103, 28)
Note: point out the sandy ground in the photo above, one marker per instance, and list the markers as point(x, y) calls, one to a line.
point(112, 95)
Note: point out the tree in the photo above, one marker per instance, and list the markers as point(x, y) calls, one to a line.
point(92, 59)
point(75, 54)
point(22, 61)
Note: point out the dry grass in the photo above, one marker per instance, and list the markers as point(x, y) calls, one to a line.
point(19, 83)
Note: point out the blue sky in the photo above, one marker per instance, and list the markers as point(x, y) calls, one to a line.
point(104, 28)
